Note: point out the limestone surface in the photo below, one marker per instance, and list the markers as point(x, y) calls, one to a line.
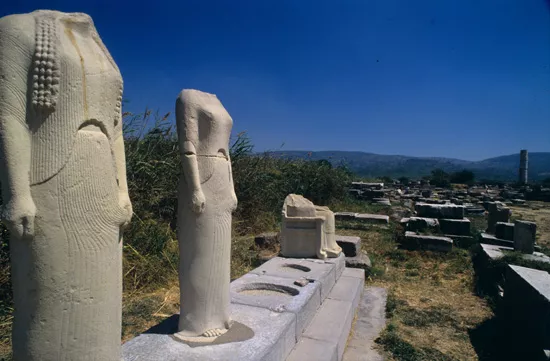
point(307, 230)
point(206, 201)
point(63, 175)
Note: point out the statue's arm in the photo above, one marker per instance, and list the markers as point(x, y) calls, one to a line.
point(187, 128)
point(231, 180)
point(16, 49)
point(120, 161)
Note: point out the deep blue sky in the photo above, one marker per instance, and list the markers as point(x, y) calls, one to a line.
point(465, 79)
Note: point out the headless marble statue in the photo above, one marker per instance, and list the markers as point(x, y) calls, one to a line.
point(63, 174)
point(206, 200)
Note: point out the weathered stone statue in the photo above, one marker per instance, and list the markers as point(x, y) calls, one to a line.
point(307, 230)
point(63, 174)
point(206, 200)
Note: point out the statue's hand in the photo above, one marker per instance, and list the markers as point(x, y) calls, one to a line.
point(235, 201)
point(126, 205)
point(18, 215)
point(198, 201)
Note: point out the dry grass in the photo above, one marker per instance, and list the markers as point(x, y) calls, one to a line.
point(431, 304)
point(538, 212)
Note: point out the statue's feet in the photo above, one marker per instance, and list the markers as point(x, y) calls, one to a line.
point(215, 332)
point(333, 253)
point(205, 337)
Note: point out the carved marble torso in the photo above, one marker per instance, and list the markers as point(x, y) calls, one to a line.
point(73, 82)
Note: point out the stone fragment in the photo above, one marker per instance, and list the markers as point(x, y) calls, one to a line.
point(267, 240)
point(307, 230)
point(361, 260)
point(302, 282)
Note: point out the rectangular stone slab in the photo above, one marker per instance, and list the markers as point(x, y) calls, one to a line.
point(310, 349)
point(496, 252)
point(432, 243)
point(504, 230)
point(372, 218)
point(349, 287)
point(371, 320)
point(344, 216)
point(322, 271)
point(449, 211)
point(420, 224)
point(460, 227)
point(303, 305)
point(274, 338)
point(332, 324)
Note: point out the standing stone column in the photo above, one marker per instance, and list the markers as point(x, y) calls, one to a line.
point(496, 215)
point(63, 174)
point(206, 201)
point(523, 163)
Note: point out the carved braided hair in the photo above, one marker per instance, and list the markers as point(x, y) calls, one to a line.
point(46, 67)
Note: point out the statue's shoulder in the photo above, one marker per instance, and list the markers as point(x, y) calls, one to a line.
point(21, 26)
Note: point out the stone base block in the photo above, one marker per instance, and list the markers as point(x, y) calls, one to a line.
point(331, 326)
point(448, 211)
point(415, 241)
point(420, 224)
point(524, 236)
point(487, 238)
point(362, 261)
point(274, 336)
point(504, 230)
point(351, 245)
point(325, 272)
point(460, 227)
point(279, 295)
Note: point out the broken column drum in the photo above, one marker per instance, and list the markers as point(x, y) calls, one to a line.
point(63, 177)
point(206, 201)
point(523, 163)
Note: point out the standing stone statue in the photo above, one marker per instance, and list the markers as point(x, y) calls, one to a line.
point(63, 175)
point(206, 201)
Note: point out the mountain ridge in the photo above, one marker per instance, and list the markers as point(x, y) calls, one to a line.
point(503, 168)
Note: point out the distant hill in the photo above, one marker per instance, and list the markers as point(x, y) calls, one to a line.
point(504, 168)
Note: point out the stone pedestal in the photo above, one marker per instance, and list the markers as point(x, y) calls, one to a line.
point(504, 230)
point(524, 236)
